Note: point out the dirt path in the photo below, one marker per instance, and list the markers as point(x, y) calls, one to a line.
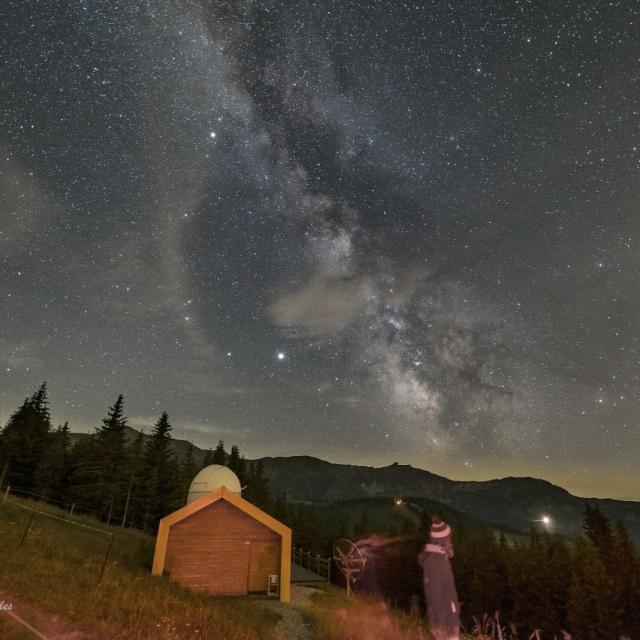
point(292, 626)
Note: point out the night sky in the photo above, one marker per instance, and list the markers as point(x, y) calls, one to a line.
point(366, 231)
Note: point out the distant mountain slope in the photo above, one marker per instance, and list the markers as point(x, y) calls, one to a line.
point(515, 503)
point(180, 447)
point(383, 515)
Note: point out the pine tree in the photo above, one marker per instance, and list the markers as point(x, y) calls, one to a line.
point(52, 475)
point(65, 436)
point(24, 440)
point(625, 570)
point(162, 482)
point(234, 458)
point(503, 559)
point(188, 471)
point(40, 402)
point(219, 455)
point(237, 464)
point(85, 465)
point(599, 532)
point(208, 458)
point(280, 511)
point(590, 615)
point(99, 479)
point(556, 581)
point(527, 578)
point(488, 578)
point(306, 529)
point(111, 441)
point(462, 564)
point(597, 528)
point(257, 489)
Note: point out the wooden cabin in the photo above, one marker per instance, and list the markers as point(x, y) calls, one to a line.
point(225, 546)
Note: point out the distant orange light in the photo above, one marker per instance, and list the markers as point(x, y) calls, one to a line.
point(397, 501)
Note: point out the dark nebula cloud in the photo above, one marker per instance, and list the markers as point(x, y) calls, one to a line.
point(368, 231)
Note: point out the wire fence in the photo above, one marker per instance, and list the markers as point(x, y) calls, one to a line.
point(77, 508)
point(39, 516)
point(71, 507)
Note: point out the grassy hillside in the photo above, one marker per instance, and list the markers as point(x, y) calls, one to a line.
point(53, 581)
point(55, 572)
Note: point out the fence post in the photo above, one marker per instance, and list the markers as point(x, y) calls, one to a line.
point(4, 473)
point(26, 531)
point(126, 505)
point(110, 510)
point(106, 558)
point(6, 493)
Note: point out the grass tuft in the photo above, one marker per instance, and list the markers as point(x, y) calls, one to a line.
point(333, 617)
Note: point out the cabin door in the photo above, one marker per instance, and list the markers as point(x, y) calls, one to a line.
point(230, 568)
point(265, 560)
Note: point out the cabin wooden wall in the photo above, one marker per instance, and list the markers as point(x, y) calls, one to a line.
point(223, 551)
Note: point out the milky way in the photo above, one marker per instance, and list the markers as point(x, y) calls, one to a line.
point(366, 231)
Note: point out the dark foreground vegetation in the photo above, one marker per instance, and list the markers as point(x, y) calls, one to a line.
point(588, 586)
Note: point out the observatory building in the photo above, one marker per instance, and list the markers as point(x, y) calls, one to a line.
point(220, 543)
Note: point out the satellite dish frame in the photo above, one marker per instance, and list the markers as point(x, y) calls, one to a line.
point(351, 564)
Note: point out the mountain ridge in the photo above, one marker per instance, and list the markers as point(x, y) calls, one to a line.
point(519, 502)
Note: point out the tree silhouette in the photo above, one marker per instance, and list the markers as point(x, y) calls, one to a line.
point(52, 475)
point(24, 440)
point(219, 455)
point(99, 479)
point(257, 490)
point(162, 474)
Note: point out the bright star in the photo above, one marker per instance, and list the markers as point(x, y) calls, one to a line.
point(212, 134)
point(281, 355)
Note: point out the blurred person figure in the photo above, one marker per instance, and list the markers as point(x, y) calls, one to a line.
point(443, 609)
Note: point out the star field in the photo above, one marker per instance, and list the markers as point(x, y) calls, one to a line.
point(366, 231)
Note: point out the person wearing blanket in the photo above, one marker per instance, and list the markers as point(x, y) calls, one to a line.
point(443, 609)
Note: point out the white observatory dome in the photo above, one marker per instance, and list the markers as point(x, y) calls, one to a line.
point(211, 478)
